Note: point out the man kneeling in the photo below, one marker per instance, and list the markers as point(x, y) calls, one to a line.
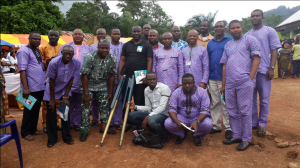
point(155, 111)
point(189, 105)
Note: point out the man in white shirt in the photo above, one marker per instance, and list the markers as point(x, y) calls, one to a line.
point(155, 111)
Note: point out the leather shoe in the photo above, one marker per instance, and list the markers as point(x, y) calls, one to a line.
point(179, 140)
point(228, 134)
point(231, 141)
point(71, 142)
point(213, 131)
point(59, 128)
point(45, 129)
point(197, 141)
point(243, 146)
point(83, 137)
point(50, 144)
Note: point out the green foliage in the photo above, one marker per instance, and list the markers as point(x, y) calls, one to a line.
point(283, 10)
point(132, 6)
point(246, 25)
point(30, 15)
point(194, 22)
point(273, 20)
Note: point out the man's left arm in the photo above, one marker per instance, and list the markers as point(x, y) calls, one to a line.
point(149, 58)
point(180, 67)
point(255, 55)
point(274, 45)
point(205, 69)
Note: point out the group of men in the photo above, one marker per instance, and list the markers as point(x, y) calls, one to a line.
point(183, 86)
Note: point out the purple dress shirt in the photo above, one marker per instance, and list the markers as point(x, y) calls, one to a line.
point(27, 62)
point(199, 66)
point(94, 47)
point(268, 40)
point(116, 51)
point(238, 58)
point(168, 65)
point(84, 50)
point(62, 73)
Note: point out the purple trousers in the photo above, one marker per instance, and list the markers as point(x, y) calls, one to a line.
point(239, 107)
point(75, 109)
point(204, 127)
point(263, 88)
point(116, 120)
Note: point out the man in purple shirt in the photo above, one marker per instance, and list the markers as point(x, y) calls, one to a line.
point(195, 59)
point(168, 63)
point(33, 78)
point(101, 34)
point(269, 43)
point(189, 106)
point(80, 51)
point(60, 75)
point(153, 40)
point(240, 61)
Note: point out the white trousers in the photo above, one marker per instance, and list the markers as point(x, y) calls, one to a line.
point(217, 107)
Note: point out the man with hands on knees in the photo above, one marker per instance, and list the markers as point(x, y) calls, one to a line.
point(189, 105)
point(97, 67)
point(60, 75)
point(155, 111)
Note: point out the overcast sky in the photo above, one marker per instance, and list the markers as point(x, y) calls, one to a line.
point(181, 11)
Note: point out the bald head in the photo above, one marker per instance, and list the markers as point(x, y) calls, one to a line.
point(193, 31)
point(153, 31)
point(78, 30)
point(192, 37)
point(101, 34)
point(176, 33)
point(136, 27)
point(153, 37)
point(167, 39)
point(53, 37)
point(78, 36)
point(167, 34)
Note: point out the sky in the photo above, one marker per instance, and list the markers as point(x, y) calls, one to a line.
point(181, 11)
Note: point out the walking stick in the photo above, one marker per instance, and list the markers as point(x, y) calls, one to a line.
point(113, 106)
point(130, 86)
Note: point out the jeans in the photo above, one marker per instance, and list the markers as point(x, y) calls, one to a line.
point(155, 122)
point(296, 66)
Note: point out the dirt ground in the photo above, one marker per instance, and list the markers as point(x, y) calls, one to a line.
point(284, 123)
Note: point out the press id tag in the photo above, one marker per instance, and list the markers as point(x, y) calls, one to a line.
point(188, 63)
point(139, 49)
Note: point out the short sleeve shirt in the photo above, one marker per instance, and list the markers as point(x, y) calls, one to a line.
point(98, 70)
point(296, 50)
point(136, 56)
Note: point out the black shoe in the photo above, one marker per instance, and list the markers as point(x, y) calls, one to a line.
point(45, 130)
point(213, 131)
point(83, 137)
point(228, 134)
point(59, 128)
point(164, 140)
point(197, 141)
point(127, 127)
point(108, 131)
point(50, 144)
point(179, 140)
point(71, 142)
point(231, 141)
point(242, 146)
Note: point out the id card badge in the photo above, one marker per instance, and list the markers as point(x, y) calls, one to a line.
point(139, 49)
point(188, 63)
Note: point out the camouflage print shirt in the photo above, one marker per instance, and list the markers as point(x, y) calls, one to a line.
point(98, 70)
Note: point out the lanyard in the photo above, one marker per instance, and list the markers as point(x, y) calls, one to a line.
point(204, 43)
point(191, 53)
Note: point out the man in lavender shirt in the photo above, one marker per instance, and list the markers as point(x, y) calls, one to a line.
point(80, 51)
point(269, 43)
point(60, 75)
point(195, 60)
point(240, 61)
point(153, 40)
point(101, 34)
point(168, 63)
point(33, 78)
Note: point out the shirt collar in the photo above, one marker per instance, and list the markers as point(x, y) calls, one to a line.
point(225, 37)
point(157, 86)
point(208, 38)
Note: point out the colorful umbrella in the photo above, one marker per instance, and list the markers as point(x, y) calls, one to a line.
point(4, 43)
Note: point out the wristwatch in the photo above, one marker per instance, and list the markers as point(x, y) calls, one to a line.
point(198, 121)
point(273, 67)
point(86, 94)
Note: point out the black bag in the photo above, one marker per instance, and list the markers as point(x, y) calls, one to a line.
point(148, 140)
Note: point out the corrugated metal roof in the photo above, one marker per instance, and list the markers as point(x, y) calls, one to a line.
point(86, 37)
point(293, 18)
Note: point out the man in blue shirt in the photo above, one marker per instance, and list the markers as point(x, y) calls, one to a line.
point(215, 49)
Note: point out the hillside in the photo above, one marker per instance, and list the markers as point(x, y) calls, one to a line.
point(282, 10)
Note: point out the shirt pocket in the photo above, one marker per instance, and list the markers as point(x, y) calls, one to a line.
point(162, 63)
point(172, 63)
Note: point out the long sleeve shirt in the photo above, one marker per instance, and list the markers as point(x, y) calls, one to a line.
point(157, 100)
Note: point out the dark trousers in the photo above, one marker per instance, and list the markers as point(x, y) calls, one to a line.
point(296, 66)
point(31, 117)
point(51, 124)
point(12, 70)
point(138, 93)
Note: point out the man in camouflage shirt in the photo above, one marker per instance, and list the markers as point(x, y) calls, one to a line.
point(97, 67)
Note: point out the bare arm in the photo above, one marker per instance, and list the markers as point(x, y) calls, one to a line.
point(274, 55)
point(121, 67)
point(149, 64)
point(23, 77)
point(255, 65)
point(223, 78)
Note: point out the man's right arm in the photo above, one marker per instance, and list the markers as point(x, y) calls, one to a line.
point(26, 91)
point(147, 107)
point(121, 67)
point(23, 58)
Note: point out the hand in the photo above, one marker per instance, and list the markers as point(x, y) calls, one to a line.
point(86, 101)
point(48, 61)
point(3, 79)
point(177, 86)
point(110, 98)
point(66, 102)
point(222, 90)
point(26, 93)
point(181, 127)
point(270, 74)
point(194, 125)
point(251, 78)
point(202, 85)
point(145, 122)
point(119, 77)
point(52, 105)
point(144, 81)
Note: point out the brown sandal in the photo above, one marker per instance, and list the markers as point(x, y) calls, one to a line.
point(29, 138)
point(38, 133)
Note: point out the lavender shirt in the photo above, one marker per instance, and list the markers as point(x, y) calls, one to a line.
point(27, 62)
point(168, 65)
point(199, 63)
point(84, 50)
point(62, 73)
point(190, 105)
point(94, 47)
point(238, 58)
point(116, 51)
point(268, 41)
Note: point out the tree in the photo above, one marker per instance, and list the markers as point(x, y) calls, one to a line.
point(153, 10)
point(246, 25)
point(194, 22)
point(273, 20)
point(132, 6)
point(30, 15)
